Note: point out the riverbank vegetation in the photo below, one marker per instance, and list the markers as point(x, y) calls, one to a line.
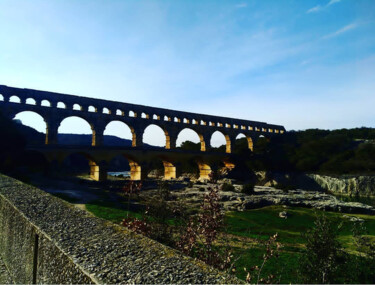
point(244, 238)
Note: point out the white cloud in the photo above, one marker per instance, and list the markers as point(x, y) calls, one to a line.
point(315, 9)
point(333, 2)
point(319, 8)
point(342, 30)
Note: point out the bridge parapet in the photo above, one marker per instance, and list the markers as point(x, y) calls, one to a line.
point(55, 107)
point(44, 240)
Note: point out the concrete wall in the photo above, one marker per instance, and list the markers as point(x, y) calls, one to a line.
point(46, 240)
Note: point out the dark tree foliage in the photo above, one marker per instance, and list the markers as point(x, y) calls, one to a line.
point(188, 145)
point(321, 151)
point(12, 144)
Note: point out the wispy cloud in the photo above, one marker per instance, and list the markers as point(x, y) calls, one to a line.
point(319, 8)
point(333, 2)
point(342, 31)
point(315, 9)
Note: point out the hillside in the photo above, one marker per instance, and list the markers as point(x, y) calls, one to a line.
point(345, 151)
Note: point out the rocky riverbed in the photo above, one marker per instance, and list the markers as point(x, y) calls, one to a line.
point(264, 196)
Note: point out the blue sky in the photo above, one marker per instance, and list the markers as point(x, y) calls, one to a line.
point(302, 64)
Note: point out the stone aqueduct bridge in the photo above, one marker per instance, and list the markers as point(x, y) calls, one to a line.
point(55, 107)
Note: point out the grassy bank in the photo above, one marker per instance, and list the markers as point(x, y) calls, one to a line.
point(245, 231)
point(262, 223)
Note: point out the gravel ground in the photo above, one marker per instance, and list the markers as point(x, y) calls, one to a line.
point(4, 274)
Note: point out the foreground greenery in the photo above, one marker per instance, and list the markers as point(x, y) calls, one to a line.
point(261, 223)
point(246, 231)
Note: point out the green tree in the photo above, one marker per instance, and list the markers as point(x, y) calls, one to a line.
point(320, 262)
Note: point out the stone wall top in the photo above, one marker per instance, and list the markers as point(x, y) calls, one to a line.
point(105, 252)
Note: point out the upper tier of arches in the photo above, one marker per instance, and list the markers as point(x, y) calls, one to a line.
point(54, 108)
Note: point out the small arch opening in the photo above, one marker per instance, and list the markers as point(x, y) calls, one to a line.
point(45, 103)
point(132, 114)
point(144, 116)
point(92, 109)
point(61, 105)
point(177, 120)
point(119, 112)
point(156, 117)
point(14, 99)
point(1, 97)
point(77, 107)
point(30, 101)
point(106, 111)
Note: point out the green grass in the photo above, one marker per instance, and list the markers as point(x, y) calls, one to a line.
point(284, 267)
point(261, 224)
point(109, 211)
point(264, 222)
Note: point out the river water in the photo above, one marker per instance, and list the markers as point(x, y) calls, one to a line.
point(119, 173)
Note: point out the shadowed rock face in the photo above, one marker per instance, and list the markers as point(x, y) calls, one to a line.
point(266, 196)
point(352, 186)
point(45, 240)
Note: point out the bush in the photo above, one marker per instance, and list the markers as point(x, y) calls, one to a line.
point(226, 187)
point(248, 189)
point(320, 263)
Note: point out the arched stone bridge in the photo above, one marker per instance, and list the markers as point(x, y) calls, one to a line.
point(55, 107)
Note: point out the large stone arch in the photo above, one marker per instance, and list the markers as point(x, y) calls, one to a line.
point(228, 141)
point(127, 125)
point(168, 141)
point(43, 116)
point(137, 168)
point(250, 141)
point(94, 130)
point(98, 171)
point(201, 138)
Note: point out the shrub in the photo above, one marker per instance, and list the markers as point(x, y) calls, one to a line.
point(248, 189)
point(321, 261)
point(226, 187)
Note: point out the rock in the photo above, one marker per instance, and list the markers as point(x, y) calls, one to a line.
point(283, 215)
point(355, 219)
point(346, 185)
